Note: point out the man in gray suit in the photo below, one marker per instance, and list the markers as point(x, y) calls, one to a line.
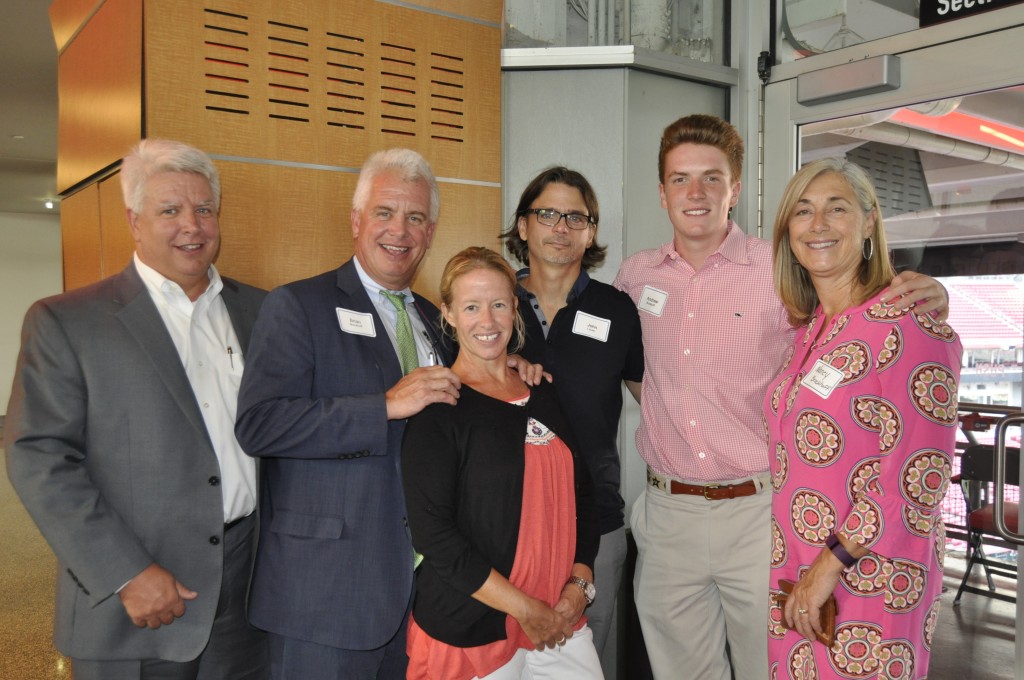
point(120, 442)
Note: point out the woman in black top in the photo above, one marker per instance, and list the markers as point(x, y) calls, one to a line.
point(498, 507)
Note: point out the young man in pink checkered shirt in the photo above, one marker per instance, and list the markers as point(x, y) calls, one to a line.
point(715, 334)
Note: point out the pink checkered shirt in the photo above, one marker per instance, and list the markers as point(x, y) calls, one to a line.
point(721, 336)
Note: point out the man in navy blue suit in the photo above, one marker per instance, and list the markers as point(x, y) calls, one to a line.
point(323, 403)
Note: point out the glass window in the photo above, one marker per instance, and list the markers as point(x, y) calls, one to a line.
point(809, 27)
point(694, 29)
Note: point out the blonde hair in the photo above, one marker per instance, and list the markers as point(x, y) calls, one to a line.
point(792, 282)
point(471, 259)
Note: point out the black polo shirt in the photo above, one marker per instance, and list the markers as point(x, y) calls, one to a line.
point(590, 347)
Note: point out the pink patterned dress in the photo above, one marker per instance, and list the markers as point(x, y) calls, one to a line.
point(861, 424)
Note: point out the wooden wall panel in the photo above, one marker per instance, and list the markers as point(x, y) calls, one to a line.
point(325, 83)
point(293, 95)
point(303, 231)
point(67, 16)
point(100, 92)
point(470, 216)
point(117, 243)
point(307, 230)
point(80, 237)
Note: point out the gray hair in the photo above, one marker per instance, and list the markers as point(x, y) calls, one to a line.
point(411, 166)
point(152, 156)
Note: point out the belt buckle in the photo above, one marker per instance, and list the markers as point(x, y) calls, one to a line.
point(711, 487)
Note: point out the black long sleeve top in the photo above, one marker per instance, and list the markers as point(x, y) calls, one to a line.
point(463, 470)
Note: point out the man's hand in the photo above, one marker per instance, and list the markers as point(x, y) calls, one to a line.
point(928, 294)
point(531, 374)
point(155, 598)
point(424, 386)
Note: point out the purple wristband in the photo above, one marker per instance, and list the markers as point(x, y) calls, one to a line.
point(840, 552)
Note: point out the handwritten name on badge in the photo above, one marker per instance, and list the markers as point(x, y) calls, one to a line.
point(356, 323)
point(822, 379)
point(652, 301)
point(591, 326)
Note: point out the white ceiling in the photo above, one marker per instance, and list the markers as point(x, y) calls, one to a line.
point(28, 108)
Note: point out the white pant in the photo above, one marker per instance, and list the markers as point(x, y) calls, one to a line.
point(702, 581)
point(575, 660)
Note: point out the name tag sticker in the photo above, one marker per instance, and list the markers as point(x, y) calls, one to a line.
point(822, 379)
point(591, 326)
point(356, 323)
point(652, 301)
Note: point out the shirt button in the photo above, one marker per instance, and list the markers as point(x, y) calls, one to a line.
point(693, 423)
point(200, 364)
point(206, 404)
point(686, 352)
point(214, 540)
point(214, 481)
point(701, 455)
point(690, 315)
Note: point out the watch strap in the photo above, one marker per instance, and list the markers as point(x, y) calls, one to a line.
point(584, 585)
point(841, 553)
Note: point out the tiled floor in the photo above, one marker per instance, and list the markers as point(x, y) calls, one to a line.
point(972, 642)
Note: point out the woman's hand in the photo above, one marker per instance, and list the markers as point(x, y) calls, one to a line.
point(803, 606)
point(545, 626)
point(572, 602)
point(542, 624)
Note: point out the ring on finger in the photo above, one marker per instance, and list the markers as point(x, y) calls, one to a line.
point(801, 611)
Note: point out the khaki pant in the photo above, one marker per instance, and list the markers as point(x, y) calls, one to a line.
point(701, 582)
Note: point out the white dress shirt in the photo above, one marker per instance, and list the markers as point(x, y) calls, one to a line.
point(212, 358)
point(426, 353)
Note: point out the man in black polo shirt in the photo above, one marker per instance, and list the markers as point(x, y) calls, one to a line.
point(587, 335)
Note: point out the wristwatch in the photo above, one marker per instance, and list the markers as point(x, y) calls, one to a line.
point(589, 591)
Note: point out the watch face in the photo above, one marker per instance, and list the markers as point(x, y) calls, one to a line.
point(590, 591)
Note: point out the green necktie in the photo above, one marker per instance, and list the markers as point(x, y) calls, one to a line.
point(403, 333)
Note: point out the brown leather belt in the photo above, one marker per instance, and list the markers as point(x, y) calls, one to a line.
point(711, 492)
point(714, 492)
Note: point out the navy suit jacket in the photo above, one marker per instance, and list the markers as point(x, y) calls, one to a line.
point(334, 564)
point(108, 450)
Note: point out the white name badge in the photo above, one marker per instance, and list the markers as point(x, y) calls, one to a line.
point(822, 379)
point(591, 326)
point(356, 323)
point(652, 300)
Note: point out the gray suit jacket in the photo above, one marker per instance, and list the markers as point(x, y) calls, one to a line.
point(109, 452)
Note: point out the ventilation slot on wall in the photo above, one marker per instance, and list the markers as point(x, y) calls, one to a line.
point(228, 62)
point(447, 97)
point(288, 71)
point(346, 81)
point(398, 88)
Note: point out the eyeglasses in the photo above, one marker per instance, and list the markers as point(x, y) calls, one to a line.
point(550, 217)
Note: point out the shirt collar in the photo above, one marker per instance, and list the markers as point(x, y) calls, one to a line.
point(373, 288)
point(575, 292)
point(158, 284)
point(733, 248)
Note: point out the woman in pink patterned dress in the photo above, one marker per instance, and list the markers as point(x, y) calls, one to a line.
point(861, 422)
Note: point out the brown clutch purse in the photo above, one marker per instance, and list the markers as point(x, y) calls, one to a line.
point(828, 614)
